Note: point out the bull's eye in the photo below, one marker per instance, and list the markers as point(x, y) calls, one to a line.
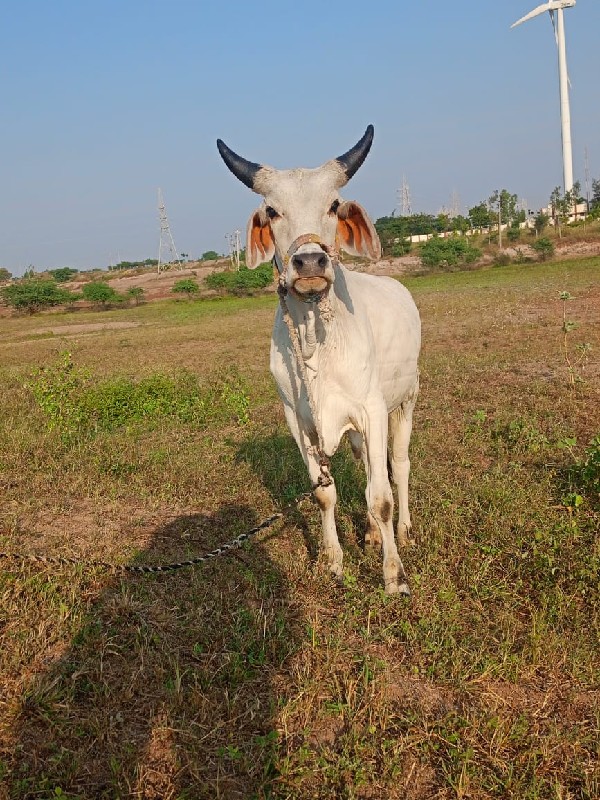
point(334, 207)
point(271, 213)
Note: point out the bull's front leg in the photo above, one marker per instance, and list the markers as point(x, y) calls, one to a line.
point(326, 496)
point(379, 496)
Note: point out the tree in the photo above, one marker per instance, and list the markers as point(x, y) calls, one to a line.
point(479, 216)
point(563, 205)
point(34, 294)
point(187, 286)
point(505, 205)
point(100, 293)
point(540, 223)
point(210, 255)
point(5, 275)
point(62, 274)
point(595, 200)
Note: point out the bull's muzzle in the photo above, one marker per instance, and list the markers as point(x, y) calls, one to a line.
point(309, 264)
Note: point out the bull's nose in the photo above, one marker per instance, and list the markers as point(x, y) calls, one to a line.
point(310, 263)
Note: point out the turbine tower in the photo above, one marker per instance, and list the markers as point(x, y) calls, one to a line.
point(558, 6)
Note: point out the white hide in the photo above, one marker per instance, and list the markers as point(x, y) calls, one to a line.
point(360, 358)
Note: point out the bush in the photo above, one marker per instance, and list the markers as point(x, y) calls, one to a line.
point(438, 252)
point(100, 293)
point(400, 249)
point(187, 286)
point(62, 274)
point(544, 248)
point(136, 293)
point(34, 294)
point(502, 259)
point(78, 405)
point(210, 255)
point(243, 281)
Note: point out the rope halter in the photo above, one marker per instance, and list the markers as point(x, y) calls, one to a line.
point(320, 298)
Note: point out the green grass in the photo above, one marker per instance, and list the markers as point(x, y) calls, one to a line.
point(255, 676)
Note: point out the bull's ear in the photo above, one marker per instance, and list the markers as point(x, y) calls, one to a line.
point(260, 245)
point(356, 232)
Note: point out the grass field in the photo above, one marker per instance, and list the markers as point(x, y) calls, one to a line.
point(160, 436)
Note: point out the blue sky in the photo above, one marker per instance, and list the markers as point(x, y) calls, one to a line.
point(102, 103)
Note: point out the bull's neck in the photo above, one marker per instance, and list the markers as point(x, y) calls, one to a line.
point(311, 320)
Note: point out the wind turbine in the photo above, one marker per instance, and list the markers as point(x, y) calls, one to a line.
point(558, 6)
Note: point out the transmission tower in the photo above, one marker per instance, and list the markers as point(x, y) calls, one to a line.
point(404, 198)
point(235, 248)
point(166, 243)
point(454, 210)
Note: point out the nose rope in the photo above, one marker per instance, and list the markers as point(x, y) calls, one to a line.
point(282, 263)
point(282, 260)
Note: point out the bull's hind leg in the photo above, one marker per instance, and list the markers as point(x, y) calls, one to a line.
point(400, 422)
point(372, 534)
point(380, 500)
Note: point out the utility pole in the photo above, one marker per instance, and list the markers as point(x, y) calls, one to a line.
point(166, 242)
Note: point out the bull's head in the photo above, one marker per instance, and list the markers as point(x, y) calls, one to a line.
point(303, 220)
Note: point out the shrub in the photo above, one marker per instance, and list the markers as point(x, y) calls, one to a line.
point(438, 252)
point(544, 248)
point(514, 233)
point(136, 293)
point(243, 281)
point(210, 255)
point(187, 286)
point(502, 259)
point(78, 405)
point(100, 293)
point(62, 274)
point(34, 294)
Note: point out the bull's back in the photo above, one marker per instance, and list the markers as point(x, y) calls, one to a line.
point(388, 309)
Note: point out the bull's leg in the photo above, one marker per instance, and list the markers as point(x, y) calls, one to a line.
point(400, 422)
point(373, 534)
point(380, 500)
point(326, 496)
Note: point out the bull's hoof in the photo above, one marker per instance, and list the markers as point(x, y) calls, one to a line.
point(373, 541)
point(397, 588)
point(406, 538)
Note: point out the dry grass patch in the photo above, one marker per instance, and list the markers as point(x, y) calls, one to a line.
point(254, 676)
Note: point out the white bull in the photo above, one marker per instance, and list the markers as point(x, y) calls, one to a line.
point(345, 344)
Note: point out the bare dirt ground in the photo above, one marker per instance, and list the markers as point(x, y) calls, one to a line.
point(159, 285)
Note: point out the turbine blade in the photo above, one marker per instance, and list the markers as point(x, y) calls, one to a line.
point(535, 13)
point(549, 5)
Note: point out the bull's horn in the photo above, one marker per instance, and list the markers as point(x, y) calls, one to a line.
point(353, 159)
point(244, 170)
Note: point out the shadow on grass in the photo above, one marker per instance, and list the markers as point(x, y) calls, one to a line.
point(278, 463)
point(167, 686)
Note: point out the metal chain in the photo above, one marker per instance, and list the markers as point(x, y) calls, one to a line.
point(151, 568)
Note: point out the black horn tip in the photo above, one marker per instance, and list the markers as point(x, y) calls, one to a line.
point(352, 160)
point(244, 170)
